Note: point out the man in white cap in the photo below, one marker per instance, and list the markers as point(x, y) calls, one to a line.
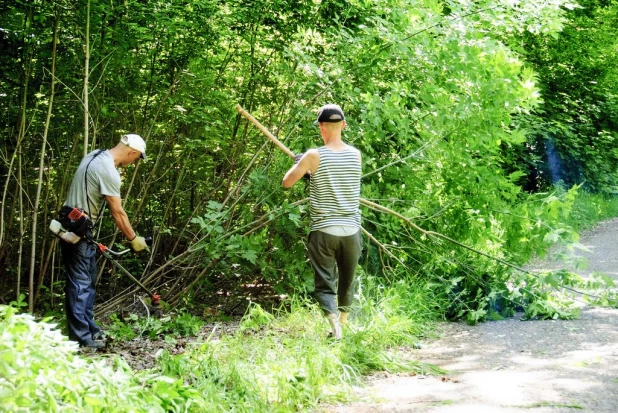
point(335, 242)
point(96, 180)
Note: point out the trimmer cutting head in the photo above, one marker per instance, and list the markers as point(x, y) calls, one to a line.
point(154, 300)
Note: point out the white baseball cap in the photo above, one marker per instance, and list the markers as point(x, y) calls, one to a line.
point(135, 142)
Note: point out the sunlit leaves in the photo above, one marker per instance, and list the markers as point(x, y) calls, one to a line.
point(40, 370)
point(435, 93)
point(577, 79)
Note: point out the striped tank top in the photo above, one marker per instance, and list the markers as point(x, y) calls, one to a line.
point(335, 189)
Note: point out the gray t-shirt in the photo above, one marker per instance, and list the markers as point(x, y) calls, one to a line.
point(103, 180)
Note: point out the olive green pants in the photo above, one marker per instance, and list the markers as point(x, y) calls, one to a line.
point(334, 260)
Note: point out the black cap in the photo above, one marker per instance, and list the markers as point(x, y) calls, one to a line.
point(330, 113)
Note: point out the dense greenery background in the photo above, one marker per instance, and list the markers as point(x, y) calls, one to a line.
point(474, 119)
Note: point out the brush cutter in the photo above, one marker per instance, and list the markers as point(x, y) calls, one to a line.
point(110, 255)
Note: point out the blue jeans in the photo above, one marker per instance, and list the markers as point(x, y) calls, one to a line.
point(80, 264)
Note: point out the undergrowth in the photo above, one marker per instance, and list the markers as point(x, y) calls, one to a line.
point(480, 288)
point(40, 371)
point(280, 361)
point(590, 208)
point(284, 362)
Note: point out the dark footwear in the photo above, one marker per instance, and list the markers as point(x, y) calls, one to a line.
point(96, 344)
point(99, 335)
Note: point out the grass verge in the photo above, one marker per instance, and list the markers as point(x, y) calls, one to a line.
point(284, 362)
point(591, 208)
point(274, 362)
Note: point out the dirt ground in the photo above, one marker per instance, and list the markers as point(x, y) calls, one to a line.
point(513, 365)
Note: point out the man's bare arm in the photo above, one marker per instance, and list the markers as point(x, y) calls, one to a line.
point(308, 163)
point(120, 216)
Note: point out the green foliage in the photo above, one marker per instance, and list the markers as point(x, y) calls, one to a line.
point(445, 104)
point(133, 326)
point(473, 286)
point(121, 331)
point(283, 361)
point(20, 303)
point(186, 325)
point(578, 77)
point(40, 370)
point(255, 319)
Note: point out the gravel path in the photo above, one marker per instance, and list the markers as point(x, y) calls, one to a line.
point(516, 366)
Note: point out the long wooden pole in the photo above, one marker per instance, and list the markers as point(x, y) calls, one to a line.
point(265, 131)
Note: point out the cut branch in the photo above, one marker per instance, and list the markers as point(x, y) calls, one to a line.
point(375, 206)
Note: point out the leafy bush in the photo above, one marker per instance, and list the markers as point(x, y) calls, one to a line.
point(40, 370)
point(182, 325)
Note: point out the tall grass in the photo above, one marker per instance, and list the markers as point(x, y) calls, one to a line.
point(284, 362)
point(591, 208)
point(274, 362)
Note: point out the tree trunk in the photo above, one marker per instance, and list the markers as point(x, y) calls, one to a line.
point(86, 73)
point(22, 231)
point(42, 161)
point(21, 125)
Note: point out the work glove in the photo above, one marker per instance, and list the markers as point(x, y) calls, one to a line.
point(138, 244)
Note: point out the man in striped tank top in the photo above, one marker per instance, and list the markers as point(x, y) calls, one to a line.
point(335, 243)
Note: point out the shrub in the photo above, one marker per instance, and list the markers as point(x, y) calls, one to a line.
point(40, 370)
